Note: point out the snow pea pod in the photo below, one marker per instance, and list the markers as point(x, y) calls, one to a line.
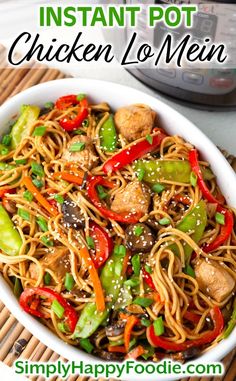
point(10, 239)
point(112, 281)
point(171, 170)
point(194, 221)
point(21, 129)
point(108, 136)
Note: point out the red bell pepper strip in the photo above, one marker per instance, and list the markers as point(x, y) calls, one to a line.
point(29, 294)
point(4, 191)
point(225, 230)
point(66, 101)
point(193, 160)
point(128, 218)
point(208, 337)
point(103, 244)
point(148, 279)
point(191, 316)
point(133, 152)
point(69, 124)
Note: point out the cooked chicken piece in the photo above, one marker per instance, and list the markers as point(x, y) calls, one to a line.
point(214, 279)
point(135, 197)
point(135, 121)
point(80, 150)
point(56, 260)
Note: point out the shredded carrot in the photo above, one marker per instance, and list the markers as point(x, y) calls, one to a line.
point(130, 323)
point(75, 179)
point(119, 349)
point(99, 296)
point(125, 262)
point(39, 197)
point(135, 353)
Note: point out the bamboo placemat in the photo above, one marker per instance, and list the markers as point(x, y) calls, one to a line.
point(15, 340)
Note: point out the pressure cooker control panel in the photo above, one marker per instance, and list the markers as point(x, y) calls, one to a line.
point(213, 20)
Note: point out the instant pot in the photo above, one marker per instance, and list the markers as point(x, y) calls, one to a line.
point(209, 88)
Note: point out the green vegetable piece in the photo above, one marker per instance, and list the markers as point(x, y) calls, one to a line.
point(90, 242)
point(194, 221)
point(136, 264)
point(138, 230)
point(189, 271)
point(6, 166)
point(172, 170)
point(125, 300)
point(47, 241)
point(69, 282)
point(120, 251)
point(27, 195)
point(17, 287)
point(59, 198)
point(148, 353)
point(38, 183)
point(140, 174)
point(62, 327)
point(77, 147)
point(47, 279)
point(10, 239)
point(39, 131)
point(86, 345)
point(21, 129)
point(231, 324)
point(132, 282)
point(107, 135)
point(42, 223)
point(6, 140)
point(37, 169)
point(143, 302)
point(85, 123)
point(20, 161)
point(164, 221)
point(80, 97)
point(158, 188)
point(57, 308)
point(4, 150)
point(149, 138)
point(220, 218)
point(79, 132)
point(90, 319)
point(23, 214)
point(101, 192)
point(49, 105)
point(159, 328)
point(145, 322)
point(148, 269)
point(193, 179)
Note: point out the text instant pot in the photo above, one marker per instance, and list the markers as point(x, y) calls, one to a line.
point(170, 50)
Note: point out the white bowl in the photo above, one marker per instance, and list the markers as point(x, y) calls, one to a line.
point(174, 123)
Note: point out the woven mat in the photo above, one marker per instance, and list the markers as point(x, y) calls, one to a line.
point(15, 340)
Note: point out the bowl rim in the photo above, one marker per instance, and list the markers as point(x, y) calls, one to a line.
point(36, 327)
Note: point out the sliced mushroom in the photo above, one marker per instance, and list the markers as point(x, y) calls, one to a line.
point(72, 216)
point(139, 242)
point(115, 329)
point(108, 356)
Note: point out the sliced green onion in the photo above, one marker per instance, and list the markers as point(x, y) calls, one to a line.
point(42, 223)
point(76, 147)
point(136, 264)
point(27, 195)
point(47, 241)
point(49, 105)
point(149, 138)
point(38, 183)
point(132, 282)
point(86, 345)
point(39, 131)
point(164, 221)
point(23, 214)
point(47, 279)
point(159, 328)
point(193, 179)
point(69, 282)
point(120, 251)
point(85, 123)
point(141, 173)
point(143, 302)
point(148, 353)
point(132, 343)
point(148, 269)
point(62, 327)
point(158, 188)
point(80, 97)
point(79, 132)
point(90, 242)
point(57, 308)
point(37, 169)
point(138, 230)
point(59, 198)
point(145, 322)
point(6, 140)
point(4, 151)
point(21, 161)
point(189, 271)
point(220, 218)
point(101, 192)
